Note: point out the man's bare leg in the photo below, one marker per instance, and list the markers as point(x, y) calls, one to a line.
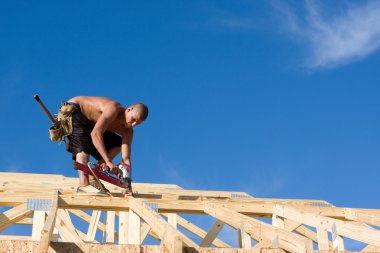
point(83, 158)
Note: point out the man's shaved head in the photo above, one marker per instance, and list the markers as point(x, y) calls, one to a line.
point(141, 109)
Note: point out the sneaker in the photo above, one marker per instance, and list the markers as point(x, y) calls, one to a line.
point(99, 186)
point(90, 190)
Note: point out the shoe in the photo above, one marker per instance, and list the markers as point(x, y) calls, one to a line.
point(89, 190)
point(99, 186)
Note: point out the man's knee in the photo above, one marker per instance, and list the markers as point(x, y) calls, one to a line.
point(82, 157)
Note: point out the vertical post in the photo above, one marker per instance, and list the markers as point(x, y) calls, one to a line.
point(246, 241)
point(172, 219)
point(38, 224)
point(123, 229)
point(323, 239)
point(110, 226)
point(277, 220)
point(171, 243)
point(134, 228)
point(337, 239)
point(49, 225)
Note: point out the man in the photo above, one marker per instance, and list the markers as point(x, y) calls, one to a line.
point(102, 128)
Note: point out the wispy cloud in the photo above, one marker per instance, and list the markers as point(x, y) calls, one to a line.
point(337, 38)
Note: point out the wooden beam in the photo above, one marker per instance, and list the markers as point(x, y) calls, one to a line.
point(302, 230)
point(48, 228)
point(172, 219)
point(251, 207)
point(323, 239)
point(144, 231)
point(66, 228)
point(123, 227)
point(362, 216)
point(308, 233)
point(110, 226)
point(338, 243)
point(199, 232)
point(13, 215)
point(38, 224)
point(61, 247)
point(15, 238)
point(244, 240)
point(171, 244)
point(258, 247)
point(134, 228)
point(259, 230)
point(212, 234)
point(351, 230)
point(87, 218)
point(277, 221)
point(92, 227)
point(156, 222)
point(25, 221)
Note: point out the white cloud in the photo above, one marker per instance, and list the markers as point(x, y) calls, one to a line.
point(334, 39)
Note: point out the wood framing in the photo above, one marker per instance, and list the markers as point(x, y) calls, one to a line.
point(167, 216)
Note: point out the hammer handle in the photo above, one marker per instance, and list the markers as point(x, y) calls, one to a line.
point(37, 98)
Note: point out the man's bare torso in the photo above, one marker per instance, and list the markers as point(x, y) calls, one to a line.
point(94, 107)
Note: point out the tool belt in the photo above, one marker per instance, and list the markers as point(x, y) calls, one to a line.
point(63, 125)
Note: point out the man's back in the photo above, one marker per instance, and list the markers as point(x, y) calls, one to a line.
point(93, 107)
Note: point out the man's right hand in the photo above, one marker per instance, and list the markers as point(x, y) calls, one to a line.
point(111, 167)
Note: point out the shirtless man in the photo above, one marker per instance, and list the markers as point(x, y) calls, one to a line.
point(102, 128)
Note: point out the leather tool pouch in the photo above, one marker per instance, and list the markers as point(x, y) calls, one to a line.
point(64, 122)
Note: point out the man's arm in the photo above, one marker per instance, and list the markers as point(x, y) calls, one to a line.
point(108, 115)
point(126, 146)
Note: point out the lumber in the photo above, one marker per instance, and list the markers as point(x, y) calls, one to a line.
point(212, 234)
point(244, 240)
point(258, 229)
point(294, 226)
point(346, 229)
point(38, 224)
point(144, 231)
point(110, 226)
point(66, 228)
point(199, 232)
point(157, 223)
point(123, 227)
point(362, 216)
point(134, 228)
point(92, 227)
point(13, 215)
point(323, 239)
point(48, 228)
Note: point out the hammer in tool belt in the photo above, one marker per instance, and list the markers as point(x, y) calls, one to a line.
point(37, 98)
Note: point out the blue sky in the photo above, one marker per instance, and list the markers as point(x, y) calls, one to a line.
point(279, 99)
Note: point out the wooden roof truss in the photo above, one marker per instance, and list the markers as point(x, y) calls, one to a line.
point(49, 206)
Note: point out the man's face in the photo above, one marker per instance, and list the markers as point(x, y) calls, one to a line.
point(132, 118)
